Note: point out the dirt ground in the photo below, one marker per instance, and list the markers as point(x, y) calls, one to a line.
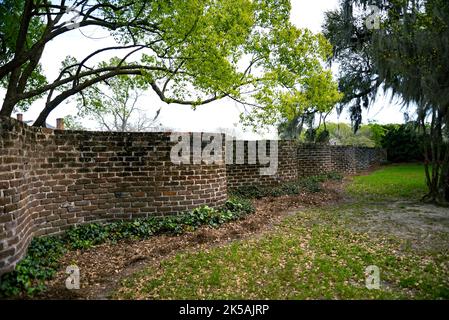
point(423, 226)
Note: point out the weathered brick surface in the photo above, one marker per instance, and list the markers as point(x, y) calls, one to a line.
point(51, 179)
point(367, 157)
point(243, 172)
point(314, 159)
point(301, 160)
point(344, 159)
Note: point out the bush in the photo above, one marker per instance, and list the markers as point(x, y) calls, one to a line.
point(403, 143)
point(239, 206)
point(40, 264)
point(310, 184)
point(42, 259)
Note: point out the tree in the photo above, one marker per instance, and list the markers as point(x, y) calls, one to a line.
point(73, 123)
point(318, 97)
point(407, 54)
point(341, 134)
point(115, 105)
point(188, 51)
point(403, 143)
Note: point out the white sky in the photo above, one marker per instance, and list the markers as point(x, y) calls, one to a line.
point(219, 114)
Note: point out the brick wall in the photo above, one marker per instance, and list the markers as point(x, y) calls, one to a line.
point(301, 160)
point(51, 179)
point(314, 159)
point(246, 173)
point(367, 157)
point(343, 159)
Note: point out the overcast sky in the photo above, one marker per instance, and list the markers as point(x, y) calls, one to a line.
point(220, 114)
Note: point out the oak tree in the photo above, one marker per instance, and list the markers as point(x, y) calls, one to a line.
point(189, 52)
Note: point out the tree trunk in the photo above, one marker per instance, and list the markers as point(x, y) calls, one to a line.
point(437, 166)
point(11, 94)
point(7, 107)
point(41, 119)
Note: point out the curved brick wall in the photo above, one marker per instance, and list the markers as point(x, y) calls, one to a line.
point(301, 160)
point(245, 173)
point(51, 180)
point(344, 159)
point(314, 159)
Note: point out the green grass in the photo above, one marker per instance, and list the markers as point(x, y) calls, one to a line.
point(396, 181)
point(303, 259)
point(312, 255)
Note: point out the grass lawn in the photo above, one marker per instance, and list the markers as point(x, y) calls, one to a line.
point(395, 181)
point(315, 254)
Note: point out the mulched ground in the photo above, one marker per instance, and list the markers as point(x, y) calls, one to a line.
point(103, 266)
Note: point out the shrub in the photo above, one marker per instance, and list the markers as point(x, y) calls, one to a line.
point(239, 206)
point(40, 264)
point(403, 143)
point(310, 184)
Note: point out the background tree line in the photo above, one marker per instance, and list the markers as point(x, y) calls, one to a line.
point(403, 142)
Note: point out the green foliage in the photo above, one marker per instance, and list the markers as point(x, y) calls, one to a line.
point(41, 262)
point(310, 135)
point(10, 14)
point(403, 143)
point(341, 134)
point(188, 51)
point(72, 123)
point(407, 56)
point(378, 133)
point(310, 184)
point(323, 137)
point(241, 206)
point(318, 96)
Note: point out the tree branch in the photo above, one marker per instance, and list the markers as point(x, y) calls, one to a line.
point(69, 79)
